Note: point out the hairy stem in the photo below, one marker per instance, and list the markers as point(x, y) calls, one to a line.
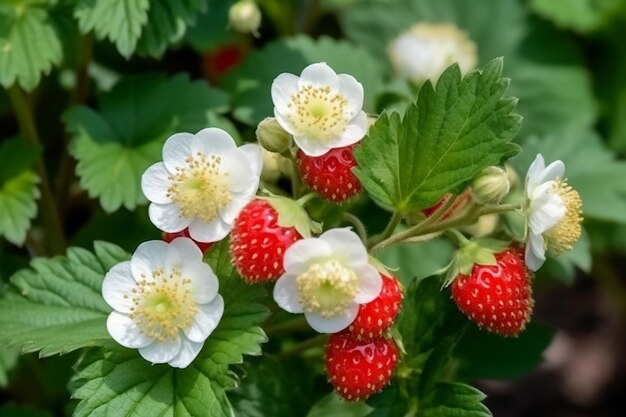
point(389, 229)
point(359, 227)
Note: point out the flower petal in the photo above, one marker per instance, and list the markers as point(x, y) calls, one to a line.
point(149, 256)
point(283, 88)
point(352, 90)
point(155, 183)
point(161, 352)
point(286, 294)
point(188, 352)
point(370, 284)
point(346, 245)
point(167, 217)
point(319, 75)
point(333, 324)
point(117, 287)
point(237, 202)
point(212, 141)
point(299, 256)
point(545, 211)
point(254, 157)
point(176, 150)
point(206, 320)
point(311, 146)
point(283, 120)
point(125, 332)
point(354, 132)
point(209, 232)
point(204, 282)
point(534, 255)
point(236, 168)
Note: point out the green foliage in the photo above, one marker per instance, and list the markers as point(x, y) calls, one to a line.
point(126, 136)
point(29, 45)
point(581, 15)
point(8, 360)
point(56, 305)
point(452, 399)
point(113, 382)
point(251, 82)
point(209, 30)
point(443, 141)
point(332, 405)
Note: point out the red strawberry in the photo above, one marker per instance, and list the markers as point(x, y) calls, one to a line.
point(461, 202)
point(330, 174)
point(378, 315)
point(359, 369)
point(497, 297)
point(258, 242)
point(204, 246)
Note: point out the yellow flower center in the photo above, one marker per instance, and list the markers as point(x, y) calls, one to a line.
point(566, 232)
point(318, 112)
point(199, 189)
point(327, 288)
point(162, 306)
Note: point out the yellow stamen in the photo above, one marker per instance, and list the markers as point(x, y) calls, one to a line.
point(566, 232)
point(327, 288)
point(319, 112)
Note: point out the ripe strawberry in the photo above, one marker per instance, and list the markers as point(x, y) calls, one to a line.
point(497, 297)
point(461, 202)
point(359, 369)
point(168, 237)
point(330, 174)
point(258, 242)
point(375, 317)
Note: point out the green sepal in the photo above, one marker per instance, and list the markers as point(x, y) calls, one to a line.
point(292, 214)
point(476, 252)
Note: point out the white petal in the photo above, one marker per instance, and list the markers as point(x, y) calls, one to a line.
point(299, 256)
point(124, 331)
point(370, 284)
point(238, 201)
point(204, 283)
point(209, 232)
point(238, 171)
point(535, 252)
point(188, 352)
point(187, 251)
point(206, 320)
point(117, 286)
point(154, 184)
point(283, 120)
point(286, 294)
point(311, 146)
point(352, 90)
point(545, 212)
point(176, 150)
point(283, 88)
point(161, 352)
point(346, 245)
point(334, 324)
point(167, 217)
point(354, 132)
point(254, 157)
point(538, 173)
point(319, 75)
point(212, 141)
point(149, 256)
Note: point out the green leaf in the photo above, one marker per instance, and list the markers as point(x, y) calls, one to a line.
point(587, 163)
point(251, 82)
point(390, 403)
point(209, 31)
point(581, 15)
point(29, 45)
point(119, 382)
point(453, 399)
point(15, 157)
point(444, 140)
point(57, 305)
point(117, 144)
point(332, 405)
point(8, 360)
point(565, 267)
point(18, 206)
point(121, 21)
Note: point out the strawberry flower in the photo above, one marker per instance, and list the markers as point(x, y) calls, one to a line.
point(165, 301)
point(327, 278)
point(202, 184)
point(321, 109)
point(553, 212)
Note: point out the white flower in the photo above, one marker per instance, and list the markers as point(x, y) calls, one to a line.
point(326, 278)
point(553, 212)
point(203, 183)
point(321, 109)
point(165, 301)
point(425, 50)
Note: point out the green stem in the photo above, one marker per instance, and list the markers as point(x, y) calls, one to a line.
point(458, 236)
point(306, 198)
point(389, 229)
point(47, 207)
point(296, 325)
point(303, 346)
point(359, 227)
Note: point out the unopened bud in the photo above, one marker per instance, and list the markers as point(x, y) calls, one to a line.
point(272, 136)
point(271, 166)
point(490, 186)
point(245, 17)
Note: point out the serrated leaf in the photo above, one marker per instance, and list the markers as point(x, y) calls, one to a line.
point(120, 21)
point(389, 403)
point(453, 399)
point(117, 144)
point(57, 305)
point(251, 82)
point(18, 206)
point(29, 45)
point(119, 382)
point(444, 140)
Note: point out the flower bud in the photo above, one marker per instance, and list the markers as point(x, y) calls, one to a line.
point(490, 186)
point(245, 17)
point(271, 166)
point(272, 136)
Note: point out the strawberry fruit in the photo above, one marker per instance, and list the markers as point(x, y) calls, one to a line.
point(359, 369)
point(377, 316)
point(258, 243)
point(497, 297)
point(330, 175)
point(168, 237)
